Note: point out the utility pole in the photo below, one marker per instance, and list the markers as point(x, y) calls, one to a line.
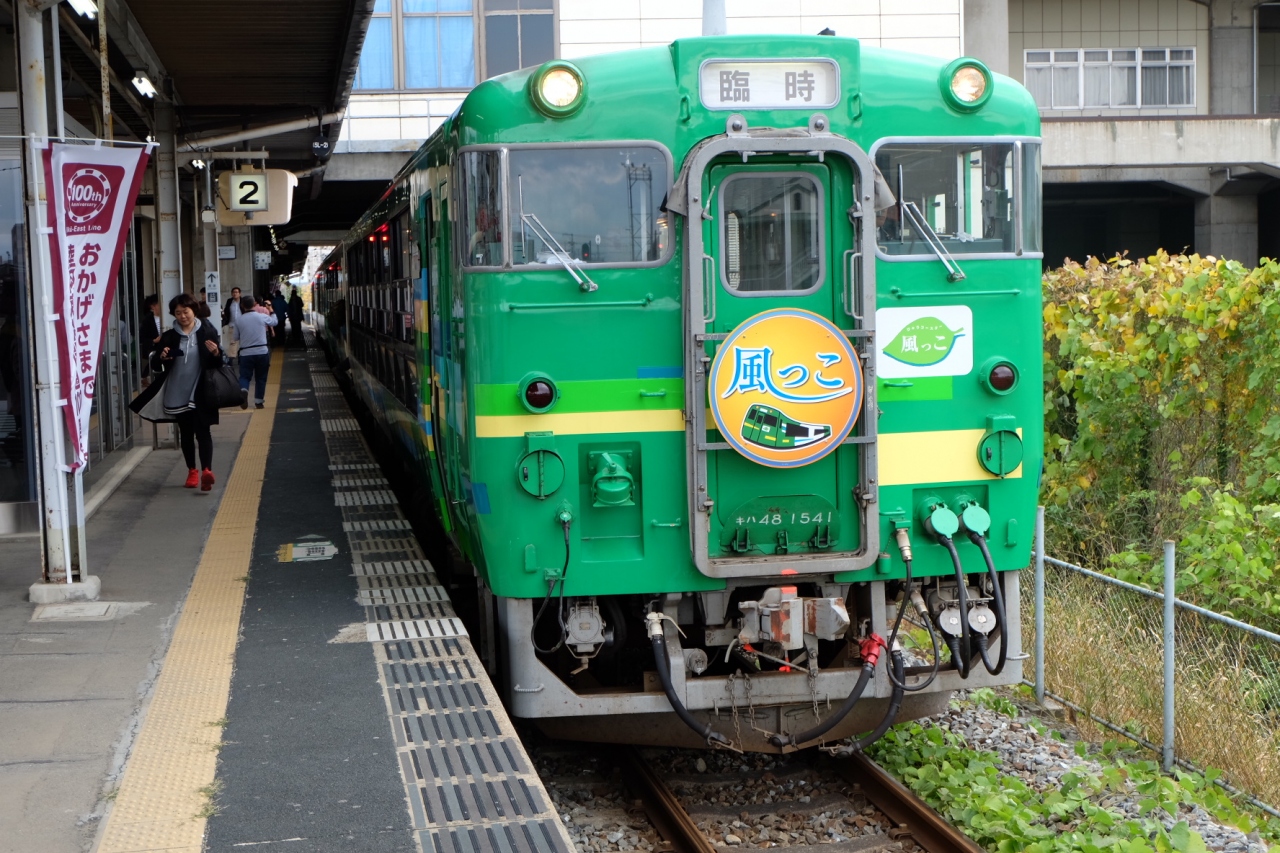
point(713, 20)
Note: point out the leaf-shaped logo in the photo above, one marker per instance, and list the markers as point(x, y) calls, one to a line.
point(923, 342)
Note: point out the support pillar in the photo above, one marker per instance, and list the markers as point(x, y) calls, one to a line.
point(986, 33)
point(167, 205)
point(1231, 61)
point(57, 571)
point(1227, 220)
point(713, 18)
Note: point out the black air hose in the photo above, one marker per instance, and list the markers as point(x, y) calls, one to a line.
point(959, 646)
point(870, 654)
point(928, 625)
point(658, 643)
point(998, 594)
point(890, 714)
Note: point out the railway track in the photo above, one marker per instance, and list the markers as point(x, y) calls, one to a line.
point(915, 821)
point(687, 801)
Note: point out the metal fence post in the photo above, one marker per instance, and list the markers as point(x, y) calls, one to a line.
point(1166, 750)
point(1039, 582)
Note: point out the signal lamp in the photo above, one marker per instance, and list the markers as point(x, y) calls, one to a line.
point(538, 393)
point(966, 84)
point(557, 89)
point(999, 376)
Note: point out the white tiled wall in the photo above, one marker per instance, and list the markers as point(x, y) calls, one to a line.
point(392, 122)
point(920, 26)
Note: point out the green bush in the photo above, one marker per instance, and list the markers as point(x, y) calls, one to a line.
point(1162, 416)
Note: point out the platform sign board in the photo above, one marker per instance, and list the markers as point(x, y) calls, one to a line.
point(213, 287)
point(226, 253)
point(91, 192)
point(248, 191)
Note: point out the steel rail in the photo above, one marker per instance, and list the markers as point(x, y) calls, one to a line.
point(662, 807)
point(927, 828)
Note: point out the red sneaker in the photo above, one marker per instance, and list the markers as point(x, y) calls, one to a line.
point(193, 479)
point(206, 480)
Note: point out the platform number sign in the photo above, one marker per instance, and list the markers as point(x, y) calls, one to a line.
point(248, 191)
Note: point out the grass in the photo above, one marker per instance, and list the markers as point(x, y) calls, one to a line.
point(1104, 652)
point(210, 792)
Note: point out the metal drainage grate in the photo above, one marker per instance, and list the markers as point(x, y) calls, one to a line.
point(527, 836)
point(395, 595)
point(375, 497)
point(418, 629)
point(397, 525)
point(397, 581)
point(395, 567)
point(358, 482)
point(339, 425)
point(399, 612)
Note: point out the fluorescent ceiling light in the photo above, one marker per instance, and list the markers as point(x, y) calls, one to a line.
point(88, 8)
point(143, 83)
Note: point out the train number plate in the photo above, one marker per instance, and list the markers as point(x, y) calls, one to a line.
point(768, 84)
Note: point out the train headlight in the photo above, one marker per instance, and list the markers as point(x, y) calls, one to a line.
point(966, 84)
point(557, 89)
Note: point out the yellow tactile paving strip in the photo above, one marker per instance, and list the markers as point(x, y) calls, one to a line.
point(160, 804)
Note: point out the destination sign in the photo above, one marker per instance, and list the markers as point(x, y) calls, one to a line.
point(769, 84)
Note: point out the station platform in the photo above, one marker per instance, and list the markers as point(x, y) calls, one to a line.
point(274, 665)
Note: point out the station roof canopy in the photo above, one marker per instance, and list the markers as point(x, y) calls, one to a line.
point(242, 75)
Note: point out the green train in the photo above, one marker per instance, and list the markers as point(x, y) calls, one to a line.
point(769, 427)
point(580, 305)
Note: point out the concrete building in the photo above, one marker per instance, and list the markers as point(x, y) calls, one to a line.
point(416, 66)
point(1160, 116)
point(1160, 119)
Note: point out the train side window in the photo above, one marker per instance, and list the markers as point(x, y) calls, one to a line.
point(482, 212)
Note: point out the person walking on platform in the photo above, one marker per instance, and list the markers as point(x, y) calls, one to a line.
point(295, 318)
point(179, 361)
point(255, 355)
point(281, 309)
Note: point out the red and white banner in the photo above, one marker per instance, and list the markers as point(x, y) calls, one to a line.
point(91, 191)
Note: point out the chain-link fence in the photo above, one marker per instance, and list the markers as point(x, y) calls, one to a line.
point(1106, 647)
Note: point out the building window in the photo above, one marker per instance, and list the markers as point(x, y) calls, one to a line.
point(1082, 79)
point(377, 60)
point(517, 34)
point(439, 44)
point(432, 44)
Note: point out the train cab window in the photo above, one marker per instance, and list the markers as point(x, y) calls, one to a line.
point(598, 205)
point(771, 233)
point(965, 192)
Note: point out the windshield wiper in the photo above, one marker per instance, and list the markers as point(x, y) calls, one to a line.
point(542, 233)
point(918, 222)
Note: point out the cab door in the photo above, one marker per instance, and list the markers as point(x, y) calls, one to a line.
point(784, 470)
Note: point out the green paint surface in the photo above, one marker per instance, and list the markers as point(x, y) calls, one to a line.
point(590, 395)
point(917, 388)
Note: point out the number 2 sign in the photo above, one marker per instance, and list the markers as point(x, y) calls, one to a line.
point(248, 191)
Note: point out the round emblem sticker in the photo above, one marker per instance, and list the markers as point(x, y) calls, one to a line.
point(88, 192)
point(786, 388)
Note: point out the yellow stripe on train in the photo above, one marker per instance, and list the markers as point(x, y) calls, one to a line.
point(580, 423)
point(941, 456)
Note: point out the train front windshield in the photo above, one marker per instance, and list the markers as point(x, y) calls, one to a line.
point(976, 196)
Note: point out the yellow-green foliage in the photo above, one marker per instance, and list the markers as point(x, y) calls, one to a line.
point(1162, 410)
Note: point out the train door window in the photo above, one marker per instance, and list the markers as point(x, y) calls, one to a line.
point(963, 191)
point(773, 232)
point(482, 214)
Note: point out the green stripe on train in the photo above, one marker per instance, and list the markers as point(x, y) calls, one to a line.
point(590, 395)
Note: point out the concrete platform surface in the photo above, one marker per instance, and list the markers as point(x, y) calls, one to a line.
point(74, 683)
